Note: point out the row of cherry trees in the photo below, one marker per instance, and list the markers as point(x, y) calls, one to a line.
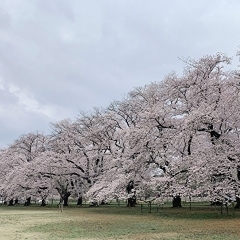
point(178, 137)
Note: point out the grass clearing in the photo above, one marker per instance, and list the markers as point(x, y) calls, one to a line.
point(117, 222)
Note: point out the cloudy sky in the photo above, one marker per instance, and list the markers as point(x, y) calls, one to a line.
point(59, 57)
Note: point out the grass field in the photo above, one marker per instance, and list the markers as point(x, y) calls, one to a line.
point(118, 222)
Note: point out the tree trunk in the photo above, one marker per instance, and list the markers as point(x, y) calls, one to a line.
point(177, 201)
point(79, 202)
point(65, 199)
point(238, 202)
point(132, 201)
point(10, 202)
point(43, 202)
point(216, 203)
point(27, 202)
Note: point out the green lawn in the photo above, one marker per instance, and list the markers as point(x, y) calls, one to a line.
point(118, 222)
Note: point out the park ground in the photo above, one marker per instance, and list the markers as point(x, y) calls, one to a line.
point(118, 222)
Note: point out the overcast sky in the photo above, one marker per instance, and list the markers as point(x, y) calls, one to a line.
point(59, 57)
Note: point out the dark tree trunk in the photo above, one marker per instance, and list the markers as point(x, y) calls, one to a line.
point(130, 186)
point(177, 202)
point(16, 202)
point(65, 199)
point(216, 203)
point(131, 200)
point(10, 202)
point(43, 202)
point(238, 202)
point(79, 201)
point(27, 202)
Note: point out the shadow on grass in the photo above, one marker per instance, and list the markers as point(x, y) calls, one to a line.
point(197, 212)
point(203, 212)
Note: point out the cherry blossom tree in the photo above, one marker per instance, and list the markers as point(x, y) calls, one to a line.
point(184, 126)
point(15, 162)
point(206, 100)
point(178, 137)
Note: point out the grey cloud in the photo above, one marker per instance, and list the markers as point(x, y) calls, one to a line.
point(57, 7)
point(68, 56)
